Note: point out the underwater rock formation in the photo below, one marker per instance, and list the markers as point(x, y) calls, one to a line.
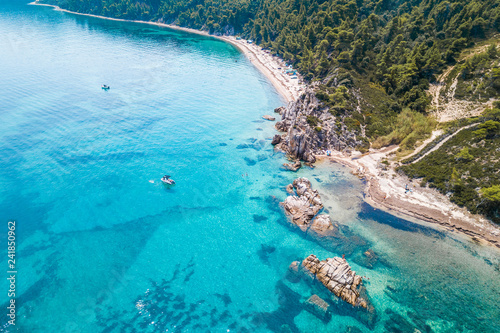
point(317, 306)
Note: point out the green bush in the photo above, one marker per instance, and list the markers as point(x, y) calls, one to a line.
point(409, 127)
point(313, 121)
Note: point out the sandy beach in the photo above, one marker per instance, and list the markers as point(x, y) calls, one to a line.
point(394, 193)
point(270, 66)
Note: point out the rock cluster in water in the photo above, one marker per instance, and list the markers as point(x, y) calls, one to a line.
point(303, 207)
point(343, 287)
point(336, 275)
point(310, 129)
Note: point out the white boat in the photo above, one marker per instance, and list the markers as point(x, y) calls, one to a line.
point(166, 180)
point(105, 87)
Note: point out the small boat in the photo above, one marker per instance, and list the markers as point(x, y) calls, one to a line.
point(105, 87)
point(166, 180)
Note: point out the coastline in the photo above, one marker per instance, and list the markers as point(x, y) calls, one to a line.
point(385, 190)
point(289, 89)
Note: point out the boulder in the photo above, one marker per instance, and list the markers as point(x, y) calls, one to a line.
point(292, 167)
point(336, 275)
point(322, 223)
point(267, 117)
point(279, 109)
point(280, 126)
point(276, 140)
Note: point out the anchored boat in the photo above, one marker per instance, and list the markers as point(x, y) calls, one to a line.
point(167, 180)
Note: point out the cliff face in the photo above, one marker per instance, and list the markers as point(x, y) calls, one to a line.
point(310, 129)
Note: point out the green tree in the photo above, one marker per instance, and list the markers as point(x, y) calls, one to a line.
point(491, 193)
point(464, 155)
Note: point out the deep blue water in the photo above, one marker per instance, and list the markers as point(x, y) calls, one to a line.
point(103, 246)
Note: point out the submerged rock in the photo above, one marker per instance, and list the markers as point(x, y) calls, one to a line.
point(249, 161)
point(318, 307)
point(261, 157)
point(293, 273)
point(254, 145)
point(369, 258)
point(259, 218)
point(243, 146)
point(336, 275)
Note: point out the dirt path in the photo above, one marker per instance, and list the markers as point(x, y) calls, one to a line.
point(434, 135)
point(442, 142)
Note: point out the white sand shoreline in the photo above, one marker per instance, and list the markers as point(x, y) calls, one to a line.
point(386, 190)
point(289, 89)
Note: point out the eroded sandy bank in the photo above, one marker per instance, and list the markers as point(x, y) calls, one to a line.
point(389, 191)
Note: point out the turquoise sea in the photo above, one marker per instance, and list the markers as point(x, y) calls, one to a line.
point(103, 246)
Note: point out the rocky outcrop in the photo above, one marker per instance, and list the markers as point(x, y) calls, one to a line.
point(310, 129)
point(292, 167)
point(276, 140)
point(336, 275)
point(305, 205)
point(293, 273)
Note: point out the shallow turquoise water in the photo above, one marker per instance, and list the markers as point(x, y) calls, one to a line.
point(102, 249)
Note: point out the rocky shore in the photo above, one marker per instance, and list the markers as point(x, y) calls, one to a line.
point(309, 131)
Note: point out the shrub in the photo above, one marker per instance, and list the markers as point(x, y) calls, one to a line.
point(409, 127)
point(313, 121)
